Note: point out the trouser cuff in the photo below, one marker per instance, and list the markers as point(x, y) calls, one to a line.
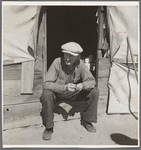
point(87, 119)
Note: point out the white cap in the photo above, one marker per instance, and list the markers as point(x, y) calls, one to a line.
point(72, 48)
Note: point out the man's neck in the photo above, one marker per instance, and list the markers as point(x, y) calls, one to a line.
point(70, 67)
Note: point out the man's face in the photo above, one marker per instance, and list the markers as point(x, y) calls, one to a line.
point(70, 59)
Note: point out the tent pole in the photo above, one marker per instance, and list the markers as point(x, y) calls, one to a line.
point(132, 58)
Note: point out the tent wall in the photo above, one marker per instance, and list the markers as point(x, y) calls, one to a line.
point(123, 23)
point(19, 33)
point(123, 86)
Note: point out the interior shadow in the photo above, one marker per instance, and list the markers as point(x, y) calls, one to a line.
point(69, 108)
point(122, 139)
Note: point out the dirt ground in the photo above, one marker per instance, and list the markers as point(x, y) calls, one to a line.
point(112, 130)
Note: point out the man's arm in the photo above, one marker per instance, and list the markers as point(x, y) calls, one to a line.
point(51, 78)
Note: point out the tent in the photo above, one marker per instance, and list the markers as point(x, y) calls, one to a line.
point(24, 39)
point(22, 26)
point(123, 81)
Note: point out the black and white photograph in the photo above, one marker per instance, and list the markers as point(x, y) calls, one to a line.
point(70, 74)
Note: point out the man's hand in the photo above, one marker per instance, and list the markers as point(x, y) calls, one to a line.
point(79, 86)
point(71, 86)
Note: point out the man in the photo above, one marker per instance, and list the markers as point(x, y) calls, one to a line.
point(69, 79)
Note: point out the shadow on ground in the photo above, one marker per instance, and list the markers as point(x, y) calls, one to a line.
point(122, 139)
point(67, 108)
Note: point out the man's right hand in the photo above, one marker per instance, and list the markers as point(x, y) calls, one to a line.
point(71, 86)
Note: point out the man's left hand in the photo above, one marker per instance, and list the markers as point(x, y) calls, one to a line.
point(79, 86)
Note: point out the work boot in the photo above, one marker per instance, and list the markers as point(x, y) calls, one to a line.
point(47, 134)
point(89, 127)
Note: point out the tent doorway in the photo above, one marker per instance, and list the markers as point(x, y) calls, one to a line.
point(71, 23)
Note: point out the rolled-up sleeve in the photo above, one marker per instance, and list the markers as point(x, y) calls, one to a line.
point(87, 78)
point(51, 78)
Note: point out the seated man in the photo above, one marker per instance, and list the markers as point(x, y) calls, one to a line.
point(69, 79)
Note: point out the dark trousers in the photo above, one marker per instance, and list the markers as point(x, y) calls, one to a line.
point(48, 99)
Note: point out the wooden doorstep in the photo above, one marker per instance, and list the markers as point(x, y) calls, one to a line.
point(14, 115)
point(26, 113)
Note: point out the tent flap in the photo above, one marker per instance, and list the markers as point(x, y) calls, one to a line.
point(123, 90)
point(19, 32)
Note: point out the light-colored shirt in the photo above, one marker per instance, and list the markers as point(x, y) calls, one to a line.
point(59, 75)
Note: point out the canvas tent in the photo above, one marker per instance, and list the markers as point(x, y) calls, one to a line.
point(23, 38)
point(123, 82)
point(20, 40)
point(19, 32)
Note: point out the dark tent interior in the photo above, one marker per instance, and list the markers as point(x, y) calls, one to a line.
point(71, 23)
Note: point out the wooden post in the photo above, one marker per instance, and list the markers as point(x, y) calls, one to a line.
point(100, 25)
point(27, 77)
point(103, 64)
point(44, 68)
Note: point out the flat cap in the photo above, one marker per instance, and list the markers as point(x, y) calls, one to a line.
point(72, 48)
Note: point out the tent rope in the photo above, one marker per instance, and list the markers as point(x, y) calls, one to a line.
point(128, 48)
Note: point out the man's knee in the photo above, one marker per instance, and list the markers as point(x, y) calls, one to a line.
point(46, 95)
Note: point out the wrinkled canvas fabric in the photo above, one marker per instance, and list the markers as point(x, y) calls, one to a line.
point(123, 90)
point(123, 22)
point(19, 32)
